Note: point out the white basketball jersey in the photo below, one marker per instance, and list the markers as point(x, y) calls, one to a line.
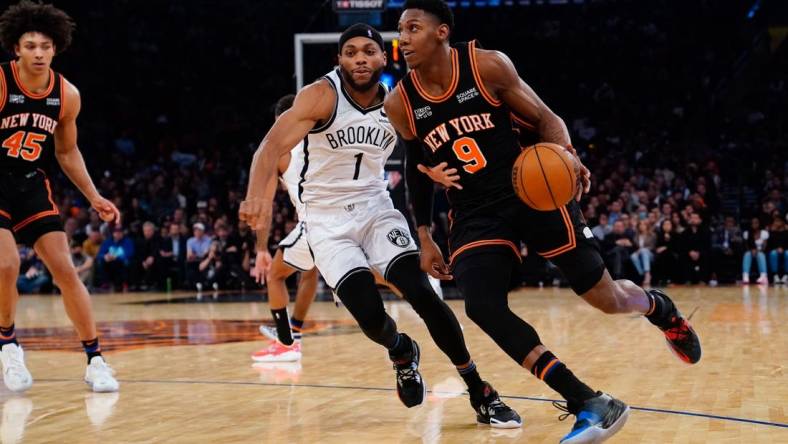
point(292, 176)
point(344, 157)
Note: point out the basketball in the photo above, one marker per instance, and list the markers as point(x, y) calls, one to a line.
point(544, 176)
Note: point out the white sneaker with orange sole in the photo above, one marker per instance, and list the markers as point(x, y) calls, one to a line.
point(278, 352)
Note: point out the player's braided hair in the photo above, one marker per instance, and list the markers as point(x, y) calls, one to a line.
point(34, 16)
point(438, 8)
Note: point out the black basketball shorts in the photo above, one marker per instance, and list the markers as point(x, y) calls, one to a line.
point(27, 207)
point(560, 236)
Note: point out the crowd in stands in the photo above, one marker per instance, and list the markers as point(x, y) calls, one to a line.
point(689, 163)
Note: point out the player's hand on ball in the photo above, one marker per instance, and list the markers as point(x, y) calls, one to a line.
point(262, 265)
point(106, 210)
point(447, 177)
point(432, 261)
point(583, 174)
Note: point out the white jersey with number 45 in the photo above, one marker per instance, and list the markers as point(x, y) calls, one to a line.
point(343, 158)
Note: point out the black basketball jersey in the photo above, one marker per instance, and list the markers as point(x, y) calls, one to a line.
point(27, 120)
point(466, 128)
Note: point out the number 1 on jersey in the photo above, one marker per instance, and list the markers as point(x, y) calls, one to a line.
point(358, 165)
point(467, 150)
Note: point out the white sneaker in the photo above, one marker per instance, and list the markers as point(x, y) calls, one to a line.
point(100, 376)
point(785, 279)
point(199, 287)
point(269, 332)
point(763, 279)
point(745, 278)
point(15, 375)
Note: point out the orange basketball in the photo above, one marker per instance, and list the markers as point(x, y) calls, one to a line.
point(544, 176)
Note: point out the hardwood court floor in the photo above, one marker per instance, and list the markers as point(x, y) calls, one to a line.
point(186, 375)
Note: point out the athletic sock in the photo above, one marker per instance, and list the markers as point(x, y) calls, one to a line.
point(556, 375)
point(92, 348)
point(660, 310)
point(402, 350)
point(8, 335)
point(296, 325)
point(472, 379)
point(282, 326)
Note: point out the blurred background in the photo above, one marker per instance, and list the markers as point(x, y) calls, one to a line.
point(678, 107)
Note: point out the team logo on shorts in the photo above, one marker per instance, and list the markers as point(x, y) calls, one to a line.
point(398, 238)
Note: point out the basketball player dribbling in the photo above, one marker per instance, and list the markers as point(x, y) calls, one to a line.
point(454, 110)
point(38, 112)
point(351, 223)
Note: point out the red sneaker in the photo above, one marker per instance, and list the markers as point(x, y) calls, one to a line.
point(278, 352)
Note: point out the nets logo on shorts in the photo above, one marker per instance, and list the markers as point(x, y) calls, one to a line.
point(398, 238)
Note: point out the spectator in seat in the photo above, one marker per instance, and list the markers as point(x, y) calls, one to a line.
point(197, 248)
point(755, 241)
point(696, 241)
point(83, 263)
point(172, 257)
point(603, 228)
point(33, 275)
point(726, 246)
point(115, 258)
point(147, 266)
point(777, 250)
point(617, 247)
point(642, 258)
point(667, 255)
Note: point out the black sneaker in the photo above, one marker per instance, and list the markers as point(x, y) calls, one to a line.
point(598, 419)
point(411, 388)
point(491, 410)
point(679, 334)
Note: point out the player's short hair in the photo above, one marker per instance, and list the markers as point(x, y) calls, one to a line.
point(29, 16)
point(438, 8)
point(283, 104)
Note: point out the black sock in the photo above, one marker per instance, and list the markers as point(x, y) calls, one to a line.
point(555, 374)
point(402, 350)
point(282, 326)
point(8, 335)
point(92, 348)
point(472, 379)
point(661, 309)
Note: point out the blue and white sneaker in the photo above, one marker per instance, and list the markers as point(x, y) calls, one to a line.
point(599, 418)
point(269, 332)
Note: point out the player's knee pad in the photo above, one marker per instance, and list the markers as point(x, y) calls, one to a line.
point(360, 296)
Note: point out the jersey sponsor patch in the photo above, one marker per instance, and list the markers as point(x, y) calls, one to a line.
point(398, 238)
point(16, 98)
point(423, 112)
point(53, 101)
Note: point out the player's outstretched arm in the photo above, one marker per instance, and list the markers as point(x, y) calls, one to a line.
point(419, 186)
point(504, 83)
point(70, 158)
point(313, 104)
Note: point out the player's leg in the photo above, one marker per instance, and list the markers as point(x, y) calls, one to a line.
point(282, 347)
point(332, 236)
point(298, 255)
point(305, 295)
point(52, 248)
point(483, 278)
point(393, 253)
point(562, 237)
point(15, 375)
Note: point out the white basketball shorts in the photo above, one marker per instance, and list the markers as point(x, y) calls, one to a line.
point(365, 235)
